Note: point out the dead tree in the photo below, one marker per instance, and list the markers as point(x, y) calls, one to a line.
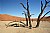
point(28, 13)
point(16, 25)
point(42, 11)
point(26, 17)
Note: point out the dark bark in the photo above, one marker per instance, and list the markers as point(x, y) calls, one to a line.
point(42, 11)
point(44, 15)
point(23, 6)
point(26, 18)
point(28, 15)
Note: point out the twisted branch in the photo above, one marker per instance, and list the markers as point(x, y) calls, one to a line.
point(23, 6)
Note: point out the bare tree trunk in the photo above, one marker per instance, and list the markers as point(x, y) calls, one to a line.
point(28, 15)
point(42, 10)
point(26, 18)
point(26, 21)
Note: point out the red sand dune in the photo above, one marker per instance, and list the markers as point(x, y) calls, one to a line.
point(5, 17)
point(46, 18)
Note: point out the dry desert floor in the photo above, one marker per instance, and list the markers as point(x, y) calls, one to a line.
point(43, 28)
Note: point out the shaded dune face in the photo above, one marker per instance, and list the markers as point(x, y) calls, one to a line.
point(5, 17)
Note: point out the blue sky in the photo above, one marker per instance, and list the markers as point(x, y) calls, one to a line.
point(14, 8)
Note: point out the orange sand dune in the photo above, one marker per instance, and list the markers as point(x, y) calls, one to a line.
point(5, 17)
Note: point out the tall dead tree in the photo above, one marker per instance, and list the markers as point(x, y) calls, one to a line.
point(28, 13)
point(42, 11)
point(26, 17)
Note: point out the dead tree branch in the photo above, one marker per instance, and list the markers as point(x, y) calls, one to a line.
point(45, 15)
point(31, 15)
point(42, 11)
point(28, 13)
point(23, 6)
point(26, 18)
